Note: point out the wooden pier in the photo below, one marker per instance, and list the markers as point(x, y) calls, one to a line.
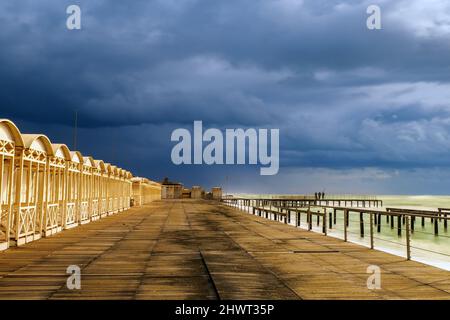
point(196, 249)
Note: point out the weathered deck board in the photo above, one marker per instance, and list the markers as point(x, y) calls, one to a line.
point(202, 250)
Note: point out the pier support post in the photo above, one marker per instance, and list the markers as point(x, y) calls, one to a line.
point(345, 224)
point(399, 225)
point(445, 221)
point(408, 239)
point(330, 223)
point(379, 223)
point(309, 219)
point(371, 231)
point(348, 218)
point(436, 226)
point(361, 224)
point(324, 222)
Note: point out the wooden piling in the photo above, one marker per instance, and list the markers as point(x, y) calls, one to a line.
point(408, 239)
point(361, 224)
point(371, 231)
point(330, 216)
point(436, 227)
point(309, 219)
point(345, 223)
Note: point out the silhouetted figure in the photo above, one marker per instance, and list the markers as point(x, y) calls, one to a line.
point(315, 195)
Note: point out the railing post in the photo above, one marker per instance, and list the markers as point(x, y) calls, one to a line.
point(330, 222)
point(408, 238)
point(371, 231)
point(436, 226)
point(345, 223)
point(309, 219)
point(361, 224)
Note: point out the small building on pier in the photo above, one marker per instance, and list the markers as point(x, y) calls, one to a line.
point(171, 190)
point(216, 193)
point(196, 192)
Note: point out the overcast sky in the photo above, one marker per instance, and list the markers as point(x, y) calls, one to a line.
point(359, 111)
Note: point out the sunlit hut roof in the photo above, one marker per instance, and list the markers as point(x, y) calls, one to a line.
point(100, 164)
point(38, 142)
point(61, 151)
point(76, 157)
point(9, 132)
point(89, 161)
point(113, 170)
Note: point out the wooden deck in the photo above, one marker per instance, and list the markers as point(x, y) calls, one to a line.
point(202, 250)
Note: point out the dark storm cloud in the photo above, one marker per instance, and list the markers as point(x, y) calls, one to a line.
point(342, 96)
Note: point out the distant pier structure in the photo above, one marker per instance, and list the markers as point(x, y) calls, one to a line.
point(197, 192)
point(171, 190)
point(216, 193)
point(305, 201)
point(175, 190)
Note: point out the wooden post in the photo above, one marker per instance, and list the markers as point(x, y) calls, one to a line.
point(309, 219)
point(324, 222)
point(345, 224)
point(371, 231)
point(445, 221)
point(331, 220)
point(334, 216)
point(348, 218)
point(436, 226)
point(361, 224)
point(399, 225)
point(408, 239)
point(379, 223)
